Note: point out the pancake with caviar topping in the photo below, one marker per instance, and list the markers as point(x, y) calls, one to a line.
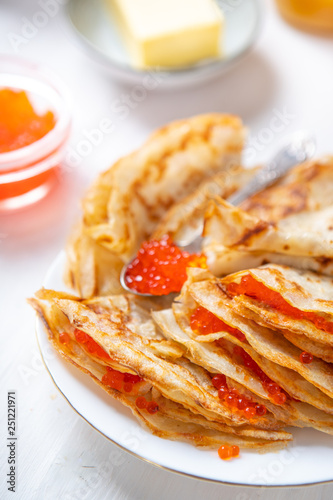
point(161, 416)
point(284, 298)
point(126, 204)
point(265, 341)
point(247, 377)
point(116, 342)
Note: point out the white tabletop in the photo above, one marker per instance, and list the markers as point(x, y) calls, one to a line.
point(60, 456)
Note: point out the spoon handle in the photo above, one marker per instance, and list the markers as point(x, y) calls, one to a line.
point(299, 149)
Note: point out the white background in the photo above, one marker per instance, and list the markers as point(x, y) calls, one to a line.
point(59, 455)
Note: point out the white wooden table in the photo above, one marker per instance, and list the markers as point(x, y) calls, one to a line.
point(288, 75)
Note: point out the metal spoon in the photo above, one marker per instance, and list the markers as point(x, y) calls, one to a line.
point(300, 148)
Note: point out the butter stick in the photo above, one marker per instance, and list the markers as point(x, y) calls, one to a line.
point(169, 33)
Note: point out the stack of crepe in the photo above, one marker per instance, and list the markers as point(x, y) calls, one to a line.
point(189, 408)
point(177, 184)
point(272, 339)
point(177, 363)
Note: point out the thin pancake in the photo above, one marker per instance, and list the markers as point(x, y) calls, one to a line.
point(270, 344)
point(239, 231)
point(185, 219)
point(316, 348)
point(293, 383)
point(305, 291)
point(213, 358)
point(134, 353)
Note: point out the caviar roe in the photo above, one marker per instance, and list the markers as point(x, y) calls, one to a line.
point(235, 401)
point(204, 322)
point(151, 406)
point(124, 382)
point(306, 357)
point(160, 267)
point(278, 395)
point(89, 344)
point(226, 452)
point(252, 288)
point(20, 125)
point(141, 402)
point(64, 338)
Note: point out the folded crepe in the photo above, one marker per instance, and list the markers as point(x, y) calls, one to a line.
point(127, 202)
point(290, 223)
point(119, 334)
point(285, 299)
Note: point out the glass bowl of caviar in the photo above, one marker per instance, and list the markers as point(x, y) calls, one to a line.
point(35, 123)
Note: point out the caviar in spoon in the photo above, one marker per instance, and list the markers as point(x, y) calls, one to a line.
point(160, 268)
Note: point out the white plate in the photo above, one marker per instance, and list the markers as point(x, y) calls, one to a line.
point(308, 461)
point(97, 30)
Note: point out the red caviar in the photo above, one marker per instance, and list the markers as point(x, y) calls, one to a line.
point(64, 338)
point(89, 343)
point(151, 406)
point(250, 412)
point(226, 452)
point(113, 378)
point(20, 125)
point(120, 381)
point(129, 378)
point(278, 395)
point(280, 398)
point(219, 380)
point(306, 358)
point(261, 410)
point(160, 267)
point(235, 400)
point(205, 322)
point(252, 288)
point(141, 402)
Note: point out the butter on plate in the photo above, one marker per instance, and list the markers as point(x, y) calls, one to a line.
point(169, 33)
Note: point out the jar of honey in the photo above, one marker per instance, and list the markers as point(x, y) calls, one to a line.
point(315, 15)
point(34, 127)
